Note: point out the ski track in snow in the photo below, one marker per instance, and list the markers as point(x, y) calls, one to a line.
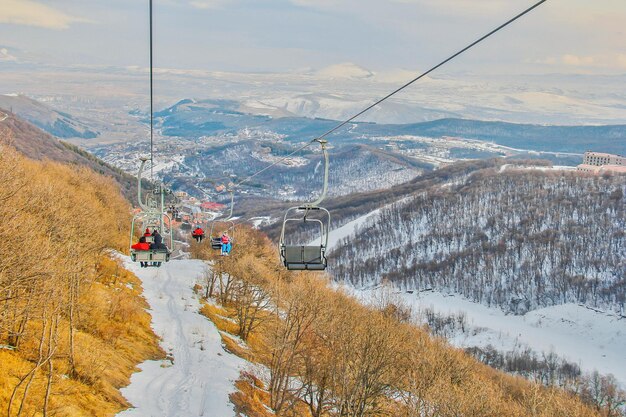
point(346, 230)
point(202, 374)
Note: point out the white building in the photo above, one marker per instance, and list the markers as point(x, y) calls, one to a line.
point(598, 163)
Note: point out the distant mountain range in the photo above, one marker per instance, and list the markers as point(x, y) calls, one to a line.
point(194, 119)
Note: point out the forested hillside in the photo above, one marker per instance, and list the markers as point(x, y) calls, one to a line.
point(516, 239)
point(324, 354)
point(73, 324)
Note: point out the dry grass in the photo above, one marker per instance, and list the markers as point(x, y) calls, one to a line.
point(220, 317)
point(250, 399)
point(113, 337)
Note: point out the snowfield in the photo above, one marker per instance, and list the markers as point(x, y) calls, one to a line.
point(198, 375)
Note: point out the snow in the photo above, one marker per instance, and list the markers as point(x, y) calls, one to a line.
point(201, 375)
point(348, 229)
point(344, 70)
point(506, 167)
point(593, 339)
point(259, 221)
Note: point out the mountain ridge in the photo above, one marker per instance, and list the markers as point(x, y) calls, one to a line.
point(34, 143)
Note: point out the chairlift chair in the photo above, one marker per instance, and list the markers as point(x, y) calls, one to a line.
point(216, 239)
point(153, 256)
point(153, 216)
point(307, 257)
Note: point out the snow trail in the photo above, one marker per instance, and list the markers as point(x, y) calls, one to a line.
point(200, 375)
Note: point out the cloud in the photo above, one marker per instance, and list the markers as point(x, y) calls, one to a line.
point(600, 61)
point(208, 4)
point(449, 7)
point(578, 61)
point(465, 7)
point(32, 13)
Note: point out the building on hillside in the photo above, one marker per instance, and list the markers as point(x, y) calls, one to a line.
point(600, 163)
point(211, 206)
point(600, 159)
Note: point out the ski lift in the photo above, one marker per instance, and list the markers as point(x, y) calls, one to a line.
point(308, 257)
point(152, 216)
point(216, 239)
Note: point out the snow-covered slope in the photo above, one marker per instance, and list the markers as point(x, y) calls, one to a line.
point(198, 375)
point(594, 340)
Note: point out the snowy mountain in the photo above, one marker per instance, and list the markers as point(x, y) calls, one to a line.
point(518, 240)
point(198, 118)
point(344, 70)
point(521, 266)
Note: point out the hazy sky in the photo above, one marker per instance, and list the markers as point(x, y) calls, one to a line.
point(586, 36)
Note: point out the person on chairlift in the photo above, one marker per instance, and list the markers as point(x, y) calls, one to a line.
point(198, 234)
point(158, 241)
point(226, 244)
point(142, 245)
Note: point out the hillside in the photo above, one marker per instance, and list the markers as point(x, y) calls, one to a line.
point(37, 144)
point(73, 323)
point(59, 124)
point(200, 140)
point(517, 239)
point(349, 207)
point(322, 353)
point(577, 139)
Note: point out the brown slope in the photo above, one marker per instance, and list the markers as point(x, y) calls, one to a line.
point(37, 144)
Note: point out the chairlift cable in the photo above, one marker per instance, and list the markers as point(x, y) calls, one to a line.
point(450, 58)
point(151, 103)
point(419, 77)
point(281, 160)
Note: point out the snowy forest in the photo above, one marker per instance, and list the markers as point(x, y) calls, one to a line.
point(517, 239)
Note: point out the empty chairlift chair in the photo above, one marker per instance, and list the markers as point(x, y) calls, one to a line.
point(310, 256)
